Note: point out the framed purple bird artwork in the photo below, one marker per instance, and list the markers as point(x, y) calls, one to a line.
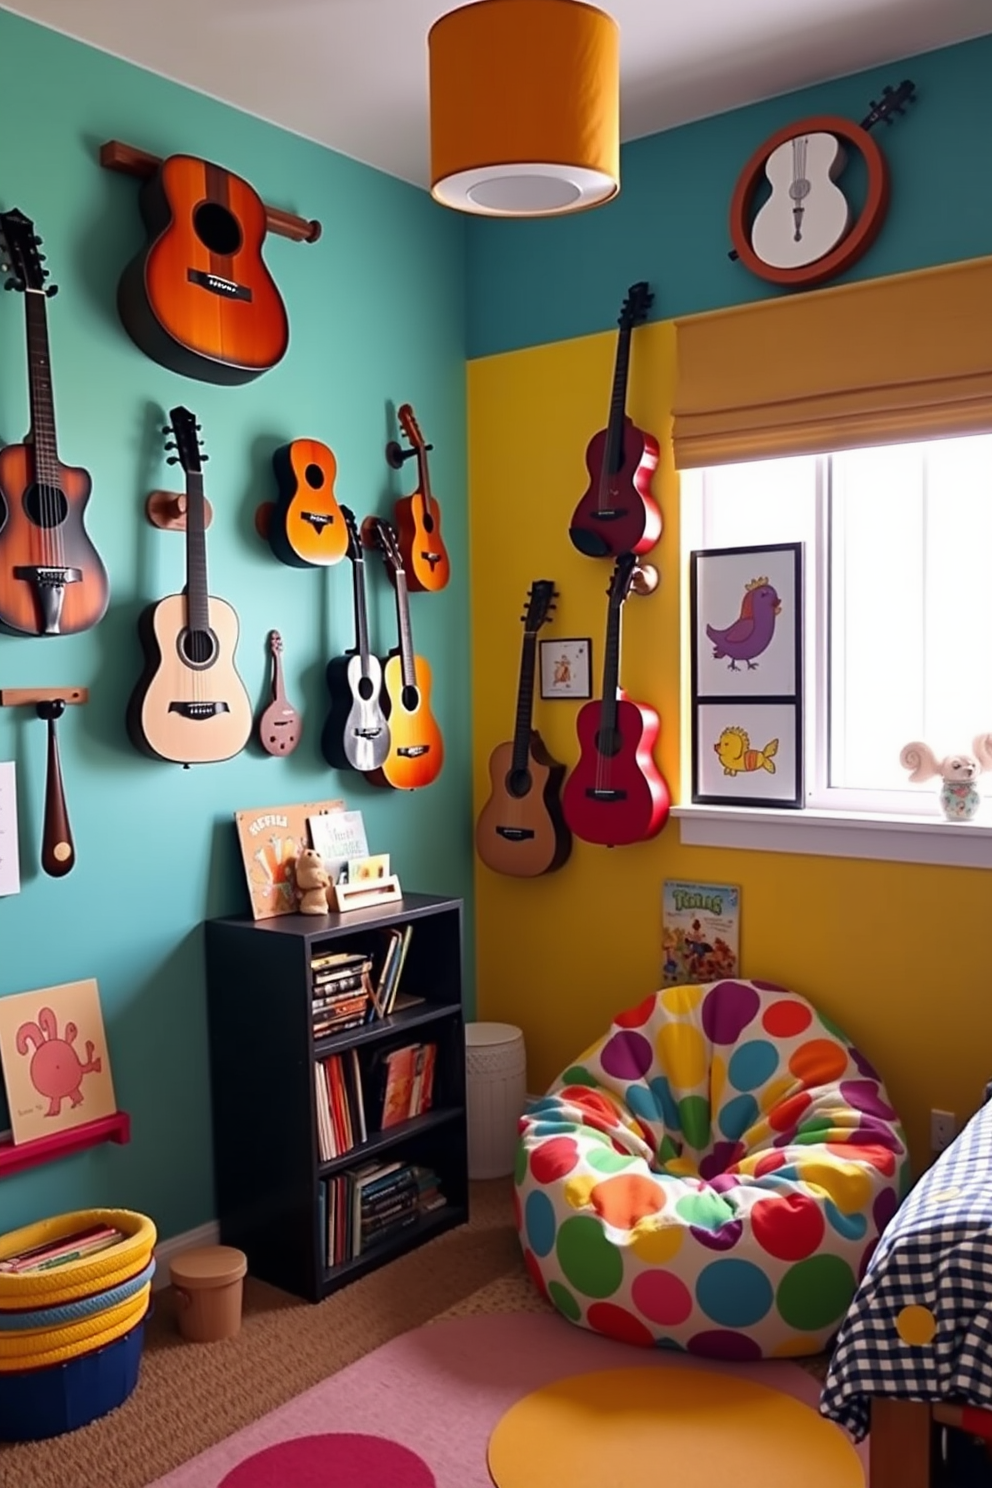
point(746, 608)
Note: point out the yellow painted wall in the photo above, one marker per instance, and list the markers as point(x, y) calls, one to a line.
point(899, 955)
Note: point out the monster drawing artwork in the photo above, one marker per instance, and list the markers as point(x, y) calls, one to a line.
point(56, 1070)
point(55, 1063)
point(752, 631)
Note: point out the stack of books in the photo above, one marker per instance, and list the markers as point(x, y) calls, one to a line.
point(371, 1204)
point(340, 988)
point(79, 1245)
point(404, 1083)
point(340, 1104)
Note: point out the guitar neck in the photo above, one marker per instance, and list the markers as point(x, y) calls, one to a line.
point(197, 592)
point(278, 685)
point(424, 479)
point(613, 458)
point(361, 612)
point(525, 701)
point(611, 667)
point(406, 635)
point(40, 380)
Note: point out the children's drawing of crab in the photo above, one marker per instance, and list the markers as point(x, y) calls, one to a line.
point(56, 1070)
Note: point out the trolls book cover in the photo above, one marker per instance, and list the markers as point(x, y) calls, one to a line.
point(700, 931)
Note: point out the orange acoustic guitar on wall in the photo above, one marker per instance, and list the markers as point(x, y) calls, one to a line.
point(416, 748)
point(418, 517)
point(306, 528)
point(198, 297)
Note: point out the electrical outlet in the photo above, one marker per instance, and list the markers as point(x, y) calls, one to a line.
point(943, 1129)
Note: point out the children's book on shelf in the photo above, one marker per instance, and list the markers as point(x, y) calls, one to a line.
point(340, 839)
point(700, 931)
point(368, 1205)
point(404, 1083)
point(270, 838)
point(56, 1067)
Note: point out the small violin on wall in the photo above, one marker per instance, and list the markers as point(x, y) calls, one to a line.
point(198, 297)
point(305, 527)
point(52, 581)
point(280, 726)
point(418, 518)
point(618, 514)
point(416, 748)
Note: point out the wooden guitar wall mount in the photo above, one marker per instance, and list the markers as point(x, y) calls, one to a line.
point(58, 851)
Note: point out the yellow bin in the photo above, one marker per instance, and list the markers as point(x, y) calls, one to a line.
point(208, 1284)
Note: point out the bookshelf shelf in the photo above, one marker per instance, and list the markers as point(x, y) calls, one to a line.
point(116, 1128)
point(270, 1180)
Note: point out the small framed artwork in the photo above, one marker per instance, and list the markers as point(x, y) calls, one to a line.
point(566, 668)
point(747, 621)
point(747, 753)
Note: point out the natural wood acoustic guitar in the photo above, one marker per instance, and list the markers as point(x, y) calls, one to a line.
point(190, 706)
point(521, 830)
point(198, 297)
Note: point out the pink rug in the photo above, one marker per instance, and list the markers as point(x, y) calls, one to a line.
point(418, 1412)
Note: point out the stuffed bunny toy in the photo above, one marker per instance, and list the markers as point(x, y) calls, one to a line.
point(959, 794)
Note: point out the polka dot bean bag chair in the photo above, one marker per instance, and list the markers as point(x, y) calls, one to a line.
point(712, 1175)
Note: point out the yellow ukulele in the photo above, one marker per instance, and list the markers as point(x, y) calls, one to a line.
point(416, 748)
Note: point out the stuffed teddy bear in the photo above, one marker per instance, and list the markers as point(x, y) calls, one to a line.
point(312, 882)
point(959, 795)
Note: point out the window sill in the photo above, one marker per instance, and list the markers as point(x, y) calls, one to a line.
point(839, 834)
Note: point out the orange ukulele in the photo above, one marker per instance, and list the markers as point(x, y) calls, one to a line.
point(198, 297)
point(416, 748)
point(52, 581)
point(418, 517)
point(521, 830)
point(306, 527)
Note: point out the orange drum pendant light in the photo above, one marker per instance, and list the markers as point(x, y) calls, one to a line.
point(525, 107)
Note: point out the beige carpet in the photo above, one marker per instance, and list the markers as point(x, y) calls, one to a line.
point(190, 1396)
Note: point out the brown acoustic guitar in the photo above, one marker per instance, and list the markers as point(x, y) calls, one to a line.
point(52, 581)
point(521, 830)
point(306, 528)
point(280, 726)
point(198, 297)
point(418, 519)
point(416, 747)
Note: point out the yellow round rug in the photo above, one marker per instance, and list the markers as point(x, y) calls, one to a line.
point(619, 1426)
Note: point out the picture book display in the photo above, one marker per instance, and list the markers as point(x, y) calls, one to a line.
point(700, 932)
point(10, 877)
point(56, 1066)
point(270, 838)
point(339, 837)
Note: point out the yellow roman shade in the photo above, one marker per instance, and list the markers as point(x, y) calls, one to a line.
point(882, 361)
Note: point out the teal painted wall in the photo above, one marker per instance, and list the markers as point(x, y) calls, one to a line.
point(376, 311)
point(531, 283)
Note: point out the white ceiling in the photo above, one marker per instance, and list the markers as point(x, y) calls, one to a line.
point(353, 73)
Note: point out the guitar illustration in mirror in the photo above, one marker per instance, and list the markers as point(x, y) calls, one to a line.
point(418, 517)
point(52, 580)
point(280, 726)
point(356, 733)
point(618, 514)
point(305, 528)
point(521, 830)
point(190, 706)
point(616, 794)
point(416, 748)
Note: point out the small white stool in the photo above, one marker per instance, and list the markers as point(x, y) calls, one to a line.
point(496, 1068)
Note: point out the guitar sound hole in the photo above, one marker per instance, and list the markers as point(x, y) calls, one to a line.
point(45, 505)
point(410, 698)
point(609, 742)
point(197, 647)
point(314, 477)
point(365, 689)
point(428, 522)
point(217, 228)
point(518, 783)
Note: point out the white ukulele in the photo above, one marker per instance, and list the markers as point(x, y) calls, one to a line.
point(806, 215)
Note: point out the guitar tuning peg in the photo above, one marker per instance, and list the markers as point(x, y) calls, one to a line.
point(36, 239)
point(170, 443)
point(172, 460)
point(166, 428)
point(204, 458)
point(10, 284)
point(52, 291)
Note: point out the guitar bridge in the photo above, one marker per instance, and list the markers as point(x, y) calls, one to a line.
point(198, 711)
point(608, 513)
point(412, 751)
point(49, 582)
point(431, 558)
point(318, 520)
point(227, 289)
point(367, 733)
point(514, 834)
point(601, 793)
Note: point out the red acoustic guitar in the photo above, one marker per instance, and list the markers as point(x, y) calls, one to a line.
point(618, 514)
point(198, 297)
point(418, 520)
point(616, 794)
point(52, 581)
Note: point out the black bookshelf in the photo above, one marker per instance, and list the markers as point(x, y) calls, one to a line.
point(267, 1166)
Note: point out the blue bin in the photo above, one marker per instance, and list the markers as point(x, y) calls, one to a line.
point(46, 1402)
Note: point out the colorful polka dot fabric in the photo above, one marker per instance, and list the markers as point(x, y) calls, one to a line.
point(712, 1175)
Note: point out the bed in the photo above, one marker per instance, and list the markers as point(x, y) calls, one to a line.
point(916, 1345)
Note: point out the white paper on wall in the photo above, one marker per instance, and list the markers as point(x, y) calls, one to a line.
point(10, 876)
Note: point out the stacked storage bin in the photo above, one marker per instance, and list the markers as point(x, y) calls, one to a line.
point(71, 1336)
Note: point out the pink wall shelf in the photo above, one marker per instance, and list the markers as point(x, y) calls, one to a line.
point(116, 1128)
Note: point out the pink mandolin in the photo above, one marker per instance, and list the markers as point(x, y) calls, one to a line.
point(616, 794)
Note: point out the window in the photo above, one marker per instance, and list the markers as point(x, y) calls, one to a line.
point(898, 578)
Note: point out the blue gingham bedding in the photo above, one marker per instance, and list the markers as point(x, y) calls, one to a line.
point(920, 1325)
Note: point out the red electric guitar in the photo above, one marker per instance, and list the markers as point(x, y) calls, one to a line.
point(616, 794)
point(618, 514)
